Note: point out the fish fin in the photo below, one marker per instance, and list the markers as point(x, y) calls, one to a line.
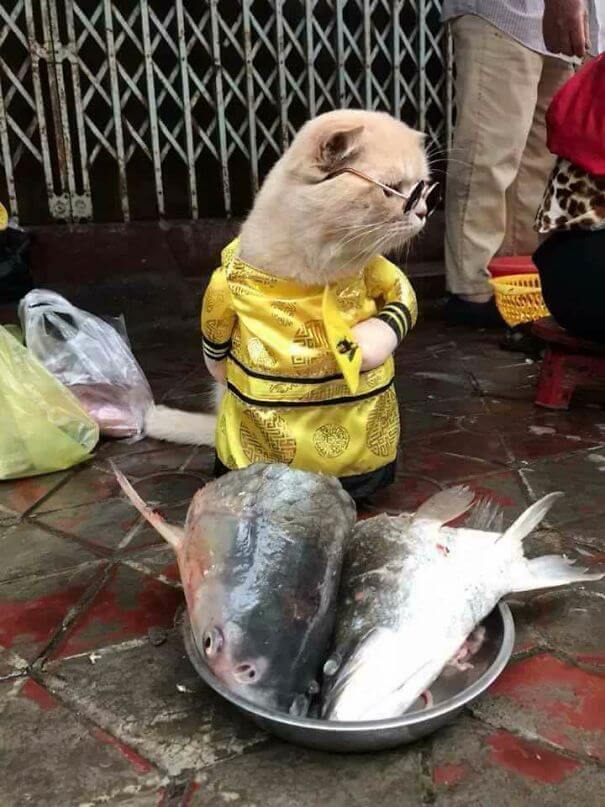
point(529, 520)
point(485, 516)
point(550, 570)
point(174, 535)
point(445, 506)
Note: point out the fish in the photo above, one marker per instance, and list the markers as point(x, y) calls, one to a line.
point(413, 590)
point(260, 557)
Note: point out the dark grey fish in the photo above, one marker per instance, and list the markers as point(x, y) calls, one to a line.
point(260, 557)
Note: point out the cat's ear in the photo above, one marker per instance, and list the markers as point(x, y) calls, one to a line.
point(337, 148)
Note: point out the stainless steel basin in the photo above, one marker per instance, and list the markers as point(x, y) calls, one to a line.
point(451, 692)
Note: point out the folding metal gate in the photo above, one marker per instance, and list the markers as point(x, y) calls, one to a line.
point(134, 109)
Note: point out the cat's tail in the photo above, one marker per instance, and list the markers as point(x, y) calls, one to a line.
point(187, 428)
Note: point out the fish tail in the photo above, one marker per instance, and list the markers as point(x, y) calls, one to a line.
point(543, 572)
point(527, 521)
point(549, 571)
point(174, 535)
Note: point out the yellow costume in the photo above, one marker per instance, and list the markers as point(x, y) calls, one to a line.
point(295, 393)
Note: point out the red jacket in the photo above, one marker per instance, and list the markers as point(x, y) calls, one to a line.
point(576, 118)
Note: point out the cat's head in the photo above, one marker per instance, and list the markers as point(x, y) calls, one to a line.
point(337, 221)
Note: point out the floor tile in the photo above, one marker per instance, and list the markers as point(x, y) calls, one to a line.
point(27, 549)
point(552, 700)
point(86, 486)
point(20, 495)
point(462, 444)
point(158, 561)
point(168, 458)
point(51, 757)
point(475, 764)
point(581, 479)
point(405, 495)
point(126, 607)
point(283, 775)
point(103, 524)
point(32, 610)
point(150, 697)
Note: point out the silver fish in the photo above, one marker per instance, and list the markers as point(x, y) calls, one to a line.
point(413, 590)
point(259, 558)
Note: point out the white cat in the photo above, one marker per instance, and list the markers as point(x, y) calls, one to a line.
point(352, 185)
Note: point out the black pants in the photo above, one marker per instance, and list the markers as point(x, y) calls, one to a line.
point(359, 487)
point(572, 272)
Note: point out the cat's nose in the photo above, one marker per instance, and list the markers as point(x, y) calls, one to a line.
point(421, 210)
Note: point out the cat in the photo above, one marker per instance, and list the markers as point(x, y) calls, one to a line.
point(316, 222)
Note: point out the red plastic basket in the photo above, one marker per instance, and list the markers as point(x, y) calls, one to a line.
point(512, 265)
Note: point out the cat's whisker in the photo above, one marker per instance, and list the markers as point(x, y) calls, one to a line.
point(392, 236)
point(362, 233)
point(373, 248)
point(358, 226)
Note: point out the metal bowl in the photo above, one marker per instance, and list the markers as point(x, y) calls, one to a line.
point(451, 692)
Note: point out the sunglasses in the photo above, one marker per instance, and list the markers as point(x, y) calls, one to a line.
point(421, 192)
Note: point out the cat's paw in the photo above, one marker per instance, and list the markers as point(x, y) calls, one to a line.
point(376, 340)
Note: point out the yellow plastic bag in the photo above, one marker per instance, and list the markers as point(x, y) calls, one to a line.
point(43, 428)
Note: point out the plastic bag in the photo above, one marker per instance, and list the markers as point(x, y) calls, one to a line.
point(43, 428)
point(90, 357)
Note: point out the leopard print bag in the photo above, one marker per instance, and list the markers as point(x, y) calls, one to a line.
point(574, 199)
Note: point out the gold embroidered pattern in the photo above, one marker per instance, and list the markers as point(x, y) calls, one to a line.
point(350, 297)
point(213, 298)
point(265, 437)
point(259, 355)
point(331, 440)
point(383, 425)
point(281, 388)
point(310, 348)
point(325, 392)
point(236, 341)
point(240, 290)
point(373, 378)
point(217, 330)
point(244, 274)
point(283, 311)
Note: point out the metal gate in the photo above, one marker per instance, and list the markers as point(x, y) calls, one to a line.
point(134, 109)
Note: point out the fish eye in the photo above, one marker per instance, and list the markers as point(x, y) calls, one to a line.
point(213, 642)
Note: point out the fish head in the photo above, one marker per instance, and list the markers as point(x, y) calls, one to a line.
point(382, 678)
point(256, 633)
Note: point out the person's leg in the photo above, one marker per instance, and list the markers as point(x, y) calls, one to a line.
point(572, 273)
point(496, 94)
point(523, 197)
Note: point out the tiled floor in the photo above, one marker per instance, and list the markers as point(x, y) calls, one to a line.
point(98, 703)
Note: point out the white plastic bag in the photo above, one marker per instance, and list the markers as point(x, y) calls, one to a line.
point(91, 358)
